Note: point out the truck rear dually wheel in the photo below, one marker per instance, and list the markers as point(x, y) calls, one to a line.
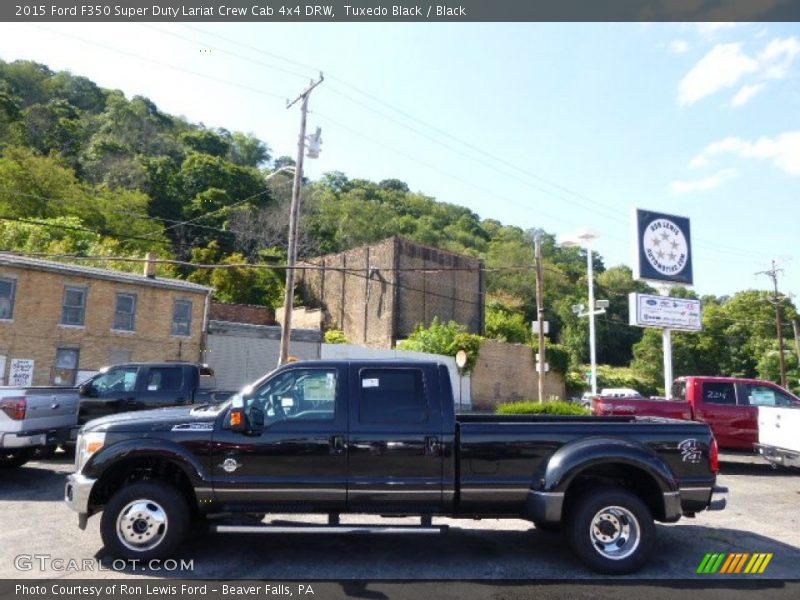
point(611, 530)
point(144, 520)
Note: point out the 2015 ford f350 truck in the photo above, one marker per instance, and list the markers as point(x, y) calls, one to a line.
point(381, 437)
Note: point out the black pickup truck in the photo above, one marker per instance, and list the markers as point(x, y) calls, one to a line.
point(381, 437)
point(141, 386)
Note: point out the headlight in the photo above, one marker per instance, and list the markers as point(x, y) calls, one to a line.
point(88, 444)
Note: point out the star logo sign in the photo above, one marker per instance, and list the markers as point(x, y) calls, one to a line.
point(665, 247)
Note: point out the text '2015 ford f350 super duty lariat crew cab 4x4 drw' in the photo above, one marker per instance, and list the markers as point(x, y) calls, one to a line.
point(381, 437)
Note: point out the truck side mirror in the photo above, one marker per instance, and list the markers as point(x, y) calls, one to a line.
point(87, 389)
point(256, 419)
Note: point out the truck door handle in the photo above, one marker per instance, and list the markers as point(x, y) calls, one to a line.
point(336, 443)
point(55, 406)
point(432, 445)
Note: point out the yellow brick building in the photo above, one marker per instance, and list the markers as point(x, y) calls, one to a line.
point(58, 320)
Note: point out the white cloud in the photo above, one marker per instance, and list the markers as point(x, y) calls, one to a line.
point(678, 46)
point(722, 67)
point(712, 28)
point(725, 65)
point(747, 93)
point(782, 150)
point(702, 185)
point(778, 56)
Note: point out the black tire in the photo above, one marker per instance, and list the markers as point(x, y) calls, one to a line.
point(13, 459)
point(611, 530)
point(153, 515)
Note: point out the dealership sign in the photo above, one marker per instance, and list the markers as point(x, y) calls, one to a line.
point(663, 248)
point(665, 312)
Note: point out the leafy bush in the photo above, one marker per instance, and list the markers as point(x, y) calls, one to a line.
point(336, 336)
point(557, 407)
point(445, 339)
point(611, 377)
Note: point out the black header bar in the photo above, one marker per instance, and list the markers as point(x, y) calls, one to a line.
point(54, 11)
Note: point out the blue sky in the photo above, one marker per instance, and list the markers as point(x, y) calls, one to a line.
point(560, 126)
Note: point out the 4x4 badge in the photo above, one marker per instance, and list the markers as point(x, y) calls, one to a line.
point(229, 465)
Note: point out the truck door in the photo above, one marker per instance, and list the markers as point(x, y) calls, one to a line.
point(395, 462)
point(299, 461)
point(754, 395)
point(729, 421)
point(164, 385)
point(108, 393)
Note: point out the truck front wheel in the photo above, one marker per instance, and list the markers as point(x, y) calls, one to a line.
point(611, 530)
point(13, 459)
point(144, 520)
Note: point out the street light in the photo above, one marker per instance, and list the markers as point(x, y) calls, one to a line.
point(584, 239)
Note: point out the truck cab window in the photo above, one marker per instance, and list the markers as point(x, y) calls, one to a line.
point(719, 393)
point(301, 394)
point(165, 379)
point(763, 395)
point(121, 379)
point(392, 396)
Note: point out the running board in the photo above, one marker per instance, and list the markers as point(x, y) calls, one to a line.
point(373, 529)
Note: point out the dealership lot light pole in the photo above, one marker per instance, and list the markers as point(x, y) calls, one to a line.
point(584, 239)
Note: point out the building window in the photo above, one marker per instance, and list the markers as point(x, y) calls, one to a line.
point(125, 313)
point(7, 289)
point(66, 367)
point(182, 317)
point(74, 309)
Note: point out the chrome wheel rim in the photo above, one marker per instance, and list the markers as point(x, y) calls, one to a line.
point(142, 525)
point(615, 532)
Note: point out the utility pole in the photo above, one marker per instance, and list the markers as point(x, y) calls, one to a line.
point(540, 312)
point(294, 213)
point(777, 300)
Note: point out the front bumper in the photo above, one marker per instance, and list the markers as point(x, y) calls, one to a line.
point(22, 440)
point(77, 492)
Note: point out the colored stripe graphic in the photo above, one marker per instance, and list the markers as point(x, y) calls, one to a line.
point(734, 562)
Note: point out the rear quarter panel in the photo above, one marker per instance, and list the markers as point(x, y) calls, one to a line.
point(500, 462)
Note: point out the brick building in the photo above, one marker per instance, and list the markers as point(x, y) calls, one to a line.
point(377, 294)
point(59, 319)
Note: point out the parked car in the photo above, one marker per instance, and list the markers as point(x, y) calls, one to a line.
point(728, 404)
point(140, 386)
point(586, 399)
point(33, 418)
point(382, 438)
point(779, 434)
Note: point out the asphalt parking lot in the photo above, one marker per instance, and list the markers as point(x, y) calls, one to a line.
point(762, 516)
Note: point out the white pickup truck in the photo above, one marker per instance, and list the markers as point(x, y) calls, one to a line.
point(33, 418)
point(779, 435)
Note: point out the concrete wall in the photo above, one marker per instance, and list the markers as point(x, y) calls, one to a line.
point(460, 384)
point(378, 294)
point(454, 293)
point(506, 373)
point(240, 353)
point(35, 332)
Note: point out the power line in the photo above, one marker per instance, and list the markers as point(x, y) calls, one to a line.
point(100, 232)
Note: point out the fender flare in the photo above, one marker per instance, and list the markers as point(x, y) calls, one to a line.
point(546, 499)
point(112, 455)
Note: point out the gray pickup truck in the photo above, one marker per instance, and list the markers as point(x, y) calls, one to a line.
point(32, 418)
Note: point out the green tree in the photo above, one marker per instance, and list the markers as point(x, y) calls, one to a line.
point(445, 339)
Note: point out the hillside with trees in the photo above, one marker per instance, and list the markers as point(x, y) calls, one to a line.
point(88, 172)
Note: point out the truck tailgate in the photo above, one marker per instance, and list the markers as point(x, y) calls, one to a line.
point(45, 409)
point(670, 409)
